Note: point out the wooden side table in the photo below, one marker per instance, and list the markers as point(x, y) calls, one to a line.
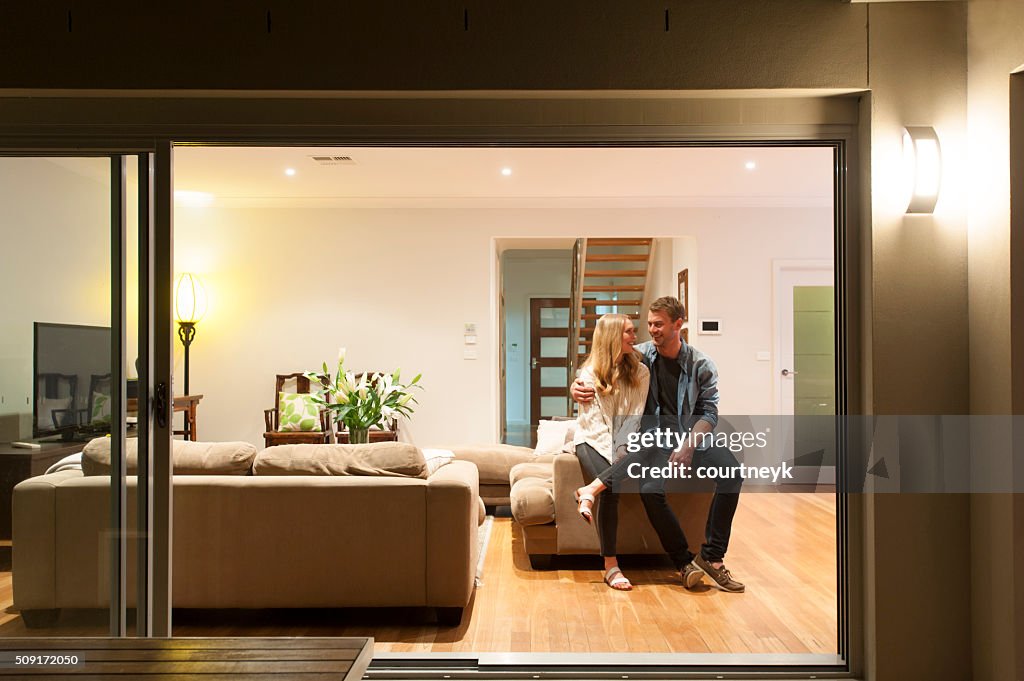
point(184, 404)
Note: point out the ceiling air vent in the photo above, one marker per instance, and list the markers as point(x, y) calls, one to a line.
point(334, 160)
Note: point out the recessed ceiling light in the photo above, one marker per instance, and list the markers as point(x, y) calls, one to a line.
point(192, 199)
point(506, 171)
point(750, 165)
point(289, 171)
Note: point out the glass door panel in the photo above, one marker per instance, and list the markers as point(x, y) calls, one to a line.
point(55, 390)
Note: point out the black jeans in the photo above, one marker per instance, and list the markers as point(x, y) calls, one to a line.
point(718, 528)
point(606, 507)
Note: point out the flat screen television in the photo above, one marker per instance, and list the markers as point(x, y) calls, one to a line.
point(71, 384)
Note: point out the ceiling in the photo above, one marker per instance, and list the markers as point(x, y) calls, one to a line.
point(649, 176)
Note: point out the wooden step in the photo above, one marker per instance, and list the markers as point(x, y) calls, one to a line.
point(616, 257)
point(612, 289)
point(632, 315)
point(615, 273)
point(619, 242)
point(611, 303)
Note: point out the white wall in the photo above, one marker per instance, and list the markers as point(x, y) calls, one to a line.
point(543, 273)
point(288, 286)
point(55, 226)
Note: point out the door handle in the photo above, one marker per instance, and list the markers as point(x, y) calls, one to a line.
point(534, 363)
point(787, 372)
point(160, 404)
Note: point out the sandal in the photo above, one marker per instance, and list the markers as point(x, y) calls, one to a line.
point(616, 580)
point(586, 512)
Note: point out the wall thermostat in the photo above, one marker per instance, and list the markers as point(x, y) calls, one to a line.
point(710, 327)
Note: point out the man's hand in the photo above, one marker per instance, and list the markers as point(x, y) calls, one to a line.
point(683, 455)
point(580, 392)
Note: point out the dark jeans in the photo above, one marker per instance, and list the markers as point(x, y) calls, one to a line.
point(652, 493)
point(606, 507)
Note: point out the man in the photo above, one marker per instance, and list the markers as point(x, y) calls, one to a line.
point(683, 395)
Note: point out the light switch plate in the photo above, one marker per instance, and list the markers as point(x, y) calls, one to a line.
point(469, 353)
point(764, 356)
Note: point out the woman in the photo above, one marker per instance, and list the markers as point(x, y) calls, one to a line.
point(620, 381)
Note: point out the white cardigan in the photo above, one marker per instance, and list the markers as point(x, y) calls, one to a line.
point(605, 422)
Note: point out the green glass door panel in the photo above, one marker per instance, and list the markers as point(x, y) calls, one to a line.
point(814, 384)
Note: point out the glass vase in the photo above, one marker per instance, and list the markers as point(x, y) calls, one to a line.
point(358, 436)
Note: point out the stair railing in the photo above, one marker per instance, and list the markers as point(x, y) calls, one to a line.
point(579, 258)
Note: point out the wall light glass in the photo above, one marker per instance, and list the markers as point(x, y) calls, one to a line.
point(922, 168)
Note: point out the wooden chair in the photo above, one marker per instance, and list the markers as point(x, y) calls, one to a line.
point(272, 417)
point(387, 434)
point(53, 386)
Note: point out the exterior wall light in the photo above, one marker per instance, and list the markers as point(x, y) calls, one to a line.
point(922, 168)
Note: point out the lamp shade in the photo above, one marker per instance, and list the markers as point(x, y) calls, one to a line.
point(189, 299)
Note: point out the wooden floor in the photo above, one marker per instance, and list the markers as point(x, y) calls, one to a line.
point(783, 547)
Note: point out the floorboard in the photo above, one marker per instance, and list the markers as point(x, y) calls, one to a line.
point(783, 548)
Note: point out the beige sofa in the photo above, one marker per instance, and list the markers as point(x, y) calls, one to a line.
point(544, 506)
point(494, 462)
point(260, 541)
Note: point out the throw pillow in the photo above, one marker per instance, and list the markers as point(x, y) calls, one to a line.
point(189, 458)
point(394, 459)
point(298, 413)
point(552, 436)
point(436, 458)
point(100, 408)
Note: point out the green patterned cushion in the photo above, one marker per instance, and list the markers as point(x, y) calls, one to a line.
point(298, 412)
point(100, 408)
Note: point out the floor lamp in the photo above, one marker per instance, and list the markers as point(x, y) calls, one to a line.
point(189, 308)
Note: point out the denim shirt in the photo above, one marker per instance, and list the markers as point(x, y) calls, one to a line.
point(698, 385)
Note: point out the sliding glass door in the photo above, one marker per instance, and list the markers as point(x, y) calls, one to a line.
point(80, 407)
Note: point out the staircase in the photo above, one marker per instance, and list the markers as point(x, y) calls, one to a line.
point(609, 275)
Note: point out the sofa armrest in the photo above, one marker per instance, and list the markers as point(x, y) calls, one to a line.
point(452, 493)
point(34, 540)
point(567, 478)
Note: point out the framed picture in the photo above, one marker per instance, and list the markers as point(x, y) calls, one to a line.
point(685, 333)
point(683, 279)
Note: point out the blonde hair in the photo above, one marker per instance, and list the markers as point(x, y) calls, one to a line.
point(606, 361)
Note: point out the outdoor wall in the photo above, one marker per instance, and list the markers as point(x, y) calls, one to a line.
point(446, 45)
point(918, 76)
point(995, 50)
point(405, 307)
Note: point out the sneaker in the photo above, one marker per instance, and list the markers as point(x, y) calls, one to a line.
point(720, 576)
point(692, 575)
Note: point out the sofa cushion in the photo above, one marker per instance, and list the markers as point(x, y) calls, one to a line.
point(533, 502)
point(493, 462)
point(545, 471)
point(189, 458)
point(394, 459)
